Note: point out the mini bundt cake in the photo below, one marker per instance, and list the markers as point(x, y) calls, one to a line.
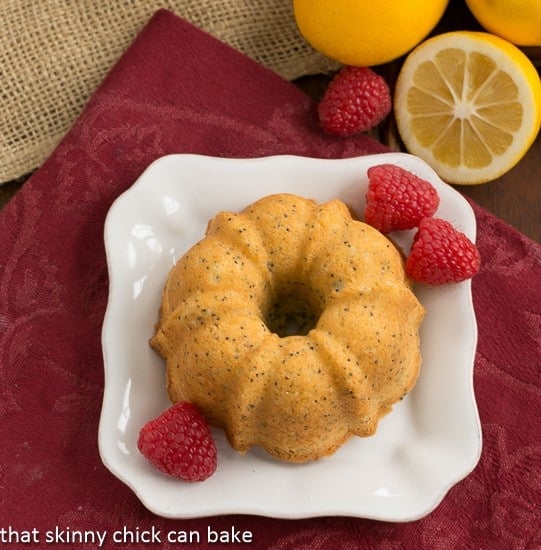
point(291, 325)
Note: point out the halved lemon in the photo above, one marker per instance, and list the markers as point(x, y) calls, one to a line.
point(469, 104)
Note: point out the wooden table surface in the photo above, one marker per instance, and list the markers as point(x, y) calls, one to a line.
point(514, 197)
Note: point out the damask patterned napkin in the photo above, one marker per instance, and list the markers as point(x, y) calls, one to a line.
point(176, 89)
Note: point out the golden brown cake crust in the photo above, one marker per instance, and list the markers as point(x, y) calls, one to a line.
point(230, 303)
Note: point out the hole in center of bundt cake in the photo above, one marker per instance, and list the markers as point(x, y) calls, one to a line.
point(293, 312)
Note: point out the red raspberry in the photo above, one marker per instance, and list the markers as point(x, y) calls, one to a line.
point(356, 100)
point(441, 254)
point(179, 443)
point(397, 199)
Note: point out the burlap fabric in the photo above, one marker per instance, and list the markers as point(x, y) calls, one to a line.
point(54, 53)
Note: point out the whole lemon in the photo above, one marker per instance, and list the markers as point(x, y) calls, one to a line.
point(366, 33)
point(518, 21)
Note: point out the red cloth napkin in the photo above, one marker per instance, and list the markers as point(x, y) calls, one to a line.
point(177, 89)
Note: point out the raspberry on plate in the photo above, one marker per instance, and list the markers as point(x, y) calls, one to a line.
point(179, 443)
point(397, 199)
point(441, 254)
point(356, 100)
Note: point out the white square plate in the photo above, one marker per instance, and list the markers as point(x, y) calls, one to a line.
point(430, 441)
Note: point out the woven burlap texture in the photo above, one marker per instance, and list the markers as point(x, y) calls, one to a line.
point(53, 54)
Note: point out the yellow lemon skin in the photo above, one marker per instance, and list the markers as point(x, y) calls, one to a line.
point(518, 21)
point(366, 32)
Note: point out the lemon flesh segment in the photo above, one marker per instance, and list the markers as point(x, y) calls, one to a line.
point(468, 106)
